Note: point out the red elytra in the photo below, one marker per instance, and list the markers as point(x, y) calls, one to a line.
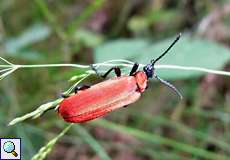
point(103, 97)
point(99, 99)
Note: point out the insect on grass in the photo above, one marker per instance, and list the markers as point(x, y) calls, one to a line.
point(90, 102)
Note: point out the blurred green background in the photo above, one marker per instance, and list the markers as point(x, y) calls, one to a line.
point(158, 126)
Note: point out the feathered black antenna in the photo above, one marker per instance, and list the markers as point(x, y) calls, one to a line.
point(153, 61)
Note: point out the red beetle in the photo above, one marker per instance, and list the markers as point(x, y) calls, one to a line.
point(92, 102)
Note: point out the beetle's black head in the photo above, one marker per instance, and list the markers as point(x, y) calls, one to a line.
point(149, 69)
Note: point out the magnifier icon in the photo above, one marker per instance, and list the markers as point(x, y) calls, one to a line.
point(9, 147)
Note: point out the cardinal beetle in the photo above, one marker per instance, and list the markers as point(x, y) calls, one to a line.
point(92, 102)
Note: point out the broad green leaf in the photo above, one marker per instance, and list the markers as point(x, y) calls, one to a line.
point(120, 49)
point(32, 35)
point(28, 55)
point(189, 51)
point(17, 46)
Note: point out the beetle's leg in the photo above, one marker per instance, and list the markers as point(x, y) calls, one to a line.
point(169, 85)
point(134, 69)
point(76, 89)
point(117, 71)
point(80, 88)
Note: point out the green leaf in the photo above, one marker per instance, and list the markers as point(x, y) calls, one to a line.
point(33, 34)
point(28, 55)
point(120, 49)
point(189, 51)
point(17, 46)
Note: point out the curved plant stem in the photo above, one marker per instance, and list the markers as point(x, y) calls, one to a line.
point(200, 69)
point(10, 67)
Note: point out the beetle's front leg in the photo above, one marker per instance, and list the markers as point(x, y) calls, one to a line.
point(117, 71)
point(134, 69)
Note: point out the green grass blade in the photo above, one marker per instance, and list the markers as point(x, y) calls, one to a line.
point(160, 120)
point(157, 139)
point(96, 4)
point(91, 141)
point(44, 151)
